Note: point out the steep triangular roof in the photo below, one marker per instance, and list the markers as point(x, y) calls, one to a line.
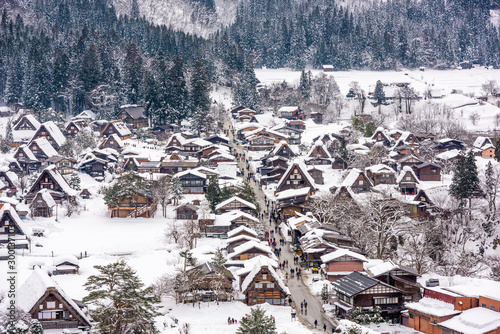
point(7, 210)
point(302, 169)
point(29, 119)
point(407, 171)
point(241, 229)
point(258, 267)
point(319, 149)
point(238, 199)
point(53, 131)
point(36, 288)
point(53, 173)
point(342, 252)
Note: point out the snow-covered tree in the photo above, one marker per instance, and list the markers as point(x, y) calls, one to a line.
point(75, 181)
point(176, 190)
point(257, 322)
point(120, 303)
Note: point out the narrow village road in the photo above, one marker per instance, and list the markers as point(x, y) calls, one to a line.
point(299, 291)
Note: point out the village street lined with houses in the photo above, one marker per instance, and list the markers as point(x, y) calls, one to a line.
point(301, 220)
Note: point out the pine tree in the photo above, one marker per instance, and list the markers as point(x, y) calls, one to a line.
point(218, 259)
point(90, 71)
point(176, 190)
point(378, 93)
point(189, 259)
point(305, 85)
point(13, 85)
point(248, 194)
point(113, 198)
point(74, 181)
point(9, 136)
point(465, 178)
point(120, 303)
point(213, 193)
point(134, 10)
point(177, 94)
point(257, 322)
point(36, 327)
point(133, 74)
point(200, 88)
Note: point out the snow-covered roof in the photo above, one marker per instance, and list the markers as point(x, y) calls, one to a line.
point(65, 258)
point(256, 269)
point(382, 268)
point(478, 143)
point(380, 168)
point(7, 207)
point(121, 128)
point(302, 167)
point(318, 143)
point(240, 229)
point(192, 172)
point(342, 252)
point(406, 169)
point(241, 237)
point(278, 146)
point(446, 155)
point(45, 146)
point(27, 152)
point(478, 320)
point(61, 181)
point(235, 214)
point(352, 177)
point(47, 198)
point(249, 245)
point(292, 193)
point(55, 132)
point(288, 108)
point(86, 114)
point(30, 118)
point(35, 287)
point(434, 307)
point(235, 198)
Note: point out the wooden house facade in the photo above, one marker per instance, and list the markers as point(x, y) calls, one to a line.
point(133, 115)
point(235, 203)
point(42, 205)
point(44, 300)
point(112, 141)
point(381, 174)
point(342, 262)
point(193, 182)
point(264, 286)
point(428, 171)
point(143, 206)
point(358, 290)
point(116, 127)
point(296, 177)
point(72, 129)
point(407, 181)
point(26, 122)
point(11, 226)
point(54, 182)
point(186, 212)
point(52, 133)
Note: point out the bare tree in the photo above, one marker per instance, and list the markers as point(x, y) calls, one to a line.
point(173, 231)
point(490, 87)
point(359, 95)
point(406, 95)
point(161, 191)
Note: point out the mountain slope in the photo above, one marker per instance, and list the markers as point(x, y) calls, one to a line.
point(190, 16)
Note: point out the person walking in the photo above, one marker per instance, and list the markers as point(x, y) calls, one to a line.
point(315, 323)
point(324, 327)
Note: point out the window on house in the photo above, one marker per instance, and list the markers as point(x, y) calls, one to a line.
point(361, 182)
point(492, 308)
point(264, 276)
point(434, 170)
point(51, 304)
point(270, 285)
point(258, 285)
point(483, 305)
point(411, 316)
point(386, 300)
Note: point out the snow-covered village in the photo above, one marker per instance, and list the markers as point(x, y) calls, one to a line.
point(172, 174)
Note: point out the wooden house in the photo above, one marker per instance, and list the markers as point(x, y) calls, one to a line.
point(12, 226)
point(317, 117)
point(327, 68)
point(428, 171)
point(260, 143)
point(27, 161)
point(72, 129)
point(263, 285)
point(192, 146)
point(242, 230)
point(381, 174)
point(9, 179)
point(482, 141)
point(86, 116)
point(410, 159)
point(448, 144)
point(294, 133)
point(236, 218)
point(116, 127)
point(112, 141)
point(234, 242)
point(318, 155)
point(52, 133)
point(42, 205)
point(249, 250)
point(44, 300)
point(401, 277)
point(26, 122)
point(284, 150)
point(470, 320)
point(93, 166)
point(235, 203)
point(144, 206)
point(245, 112)
point(54, 182)
point(299, 125)
point(357, 181)
point(193, 182)
point(234, 111)
point(358, 290)
point(291, 112)
point(133, 116)
point(65, 264)
point(487, 151)
point(64, 165)
point(85, 193)
point(380, 136)
point(407, 181)
point(317, 175)
point(342, 262)
point(296, 177)
point(42, 149)
point(186, 211)
point(177, 163)
point(209, 278)
point(244, 129)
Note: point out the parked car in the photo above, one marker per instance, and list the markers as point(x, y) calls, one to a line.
point(432, 282)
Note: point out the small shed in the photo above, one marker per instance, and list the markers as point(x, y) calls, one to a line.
point(85, 194)
point(65, 264)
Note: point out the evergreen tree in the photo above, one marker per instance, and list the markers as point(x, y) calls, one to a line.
point(90, 72)
point(200, 88)
point(305, 85)
point(176, 190)
point(120, 302)
point(60, 79)
point(189, 259)
point(218, 259)
point(13, 85)
point(177, 95)
point(465, 178)
point(378, 93)
point(134, 10)
point(257, 322)
point(213, 193)
point(36, 327)
point(9, 137)
point(113, 198)
point(244, 87)
point(133, 74)
point(74, 181)
point(248, 194)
